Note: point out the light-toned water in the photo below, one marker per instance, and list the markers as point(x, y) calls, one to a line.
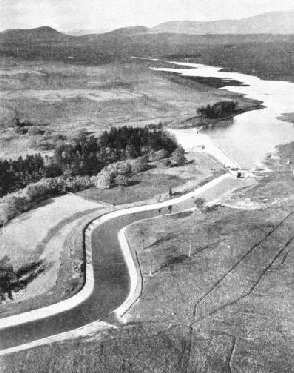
point(255, 133)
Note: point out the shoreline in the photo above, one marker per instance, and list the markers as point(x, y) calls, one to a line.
point(203, 143)
point(286, 117)
point(246, 104)
point(209, 123)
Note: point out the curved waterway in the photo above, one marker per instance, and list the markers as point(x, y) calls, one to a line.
point(111, 275)
point(254, 133)
point(111, 288)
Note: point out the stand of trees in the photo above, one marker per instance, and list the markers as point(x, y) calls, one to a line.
point(25, 199)
point(15, 175)
point(219, 110)
point(87, 162)
point(84, 156)
point(117, 174)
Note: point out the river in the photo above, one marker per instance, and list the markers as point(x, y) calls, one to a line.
point(254, 133)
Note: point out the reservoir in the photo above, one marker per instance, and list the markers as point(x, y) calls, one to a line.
point(253, 134)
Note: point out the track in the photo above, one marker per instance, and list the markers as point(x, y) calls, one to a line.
point(230, 288)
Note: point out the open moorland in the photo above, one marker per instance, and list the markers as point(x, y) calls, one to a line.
point(55, 101)
point(268, 56)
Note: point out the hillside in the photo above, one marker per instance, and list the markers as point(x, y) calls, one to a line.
point(266, 55)
point(39, 34)
point(268, 23)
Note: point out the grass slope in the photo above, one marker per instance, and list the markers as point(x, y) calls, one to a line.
point(43, 234)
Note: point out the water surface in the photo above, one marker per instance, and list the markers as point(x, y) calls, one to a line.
point(254, 133)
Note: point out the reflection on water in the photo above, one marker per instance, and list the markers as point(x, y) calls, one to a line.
point(257, 132)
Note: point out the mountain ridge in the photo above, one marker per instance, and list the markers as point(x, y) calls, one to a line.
point(267, 23)
point(278, 23)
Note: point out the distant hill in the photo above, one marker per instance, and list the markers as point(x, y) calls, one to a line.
point(131, 30)
point(128, 31)
point(44, 33)
point(268, 55)
point(267, 23)
point(81, 32)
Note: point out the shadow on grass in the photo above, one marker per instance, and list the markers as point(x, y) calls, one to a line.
point(132, 183)
point(14, 281)
point(182, 215)
point(171, 261)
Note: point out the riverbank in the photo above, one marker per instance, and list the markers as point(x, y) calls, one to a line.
point(209, 123)
point(287, 117)
point(252, 135)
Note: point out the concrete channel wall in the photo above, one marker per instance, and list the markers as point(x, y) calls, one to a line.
point(65, 305)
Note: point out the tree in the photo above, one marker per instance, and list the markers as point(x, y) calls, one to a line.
point(199, 202)
point(123, 168)
point(218, 110)
point(11, 207)
point(105, 179)
point(178, 157)
point(121, 180)
point(158, 155)
point(139, 165)
point(36, 191)
point(119, 168)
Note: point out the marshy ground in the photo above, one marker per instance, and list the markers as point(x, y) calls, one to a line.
point(58, 100)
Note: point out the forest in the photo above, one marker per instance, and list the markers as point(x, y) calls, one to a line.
point(85, 155)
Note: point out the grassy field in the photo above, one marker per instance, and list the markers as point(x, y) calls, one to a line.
point(59, 100)
point(155, 183)
point(217, 293)
point(46, 234)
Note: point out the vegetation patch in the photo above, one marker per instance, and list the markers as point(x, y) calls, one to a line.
point(74, 166)
point(221, 109)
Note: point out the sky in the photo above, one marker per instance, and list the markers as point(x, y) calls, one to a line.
point(110, 14)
